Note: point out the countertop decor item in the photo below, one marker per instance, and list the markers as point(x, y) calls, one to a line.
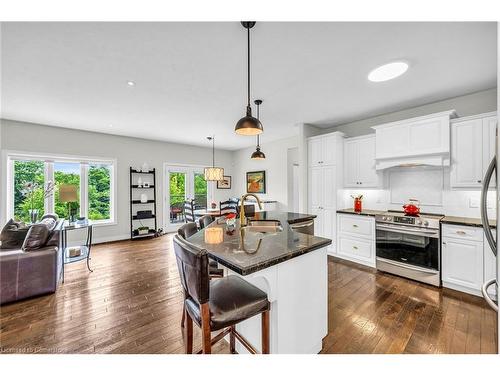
point(257, 154)
point(256, 182)
point(357, 202)
point(248, 125)
point(225, 183)
point(213, 173)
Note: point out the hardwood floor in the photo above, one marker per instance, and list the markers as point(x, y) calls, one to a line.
point(131, 303)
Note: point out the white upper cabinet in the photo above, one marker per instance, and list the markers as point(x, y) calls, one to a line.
point(472, 148)
point(359, 162)
point(324, 149)
point(426, 135)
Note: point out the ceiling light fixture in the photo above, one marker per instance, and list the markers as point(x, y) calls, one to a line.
point(388, 71)
point(131, 83)
point(248, 125)
point(213, 173)
point(257, 154)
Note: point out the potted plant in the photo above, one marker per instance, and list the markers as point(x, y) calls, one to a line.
point(30, 190)
point(142, 229)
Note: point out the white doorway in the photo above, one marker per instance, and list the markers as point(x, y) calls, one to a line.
point(183, 183)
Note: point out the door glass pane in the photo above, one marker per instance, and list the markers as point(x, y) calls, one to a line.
point(99, 192)
point(67, 174)
point(200, 190)
point(177, 183)
point(28, 188)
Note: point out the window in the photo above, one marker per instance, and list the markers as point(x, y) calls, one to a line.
point(99, 192)
point(93, 180)
point(28, 188)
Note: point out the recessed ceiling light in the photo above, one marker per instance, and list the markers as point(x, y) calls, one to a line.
point(388, 71)
point(110, 125)
point(131, 83)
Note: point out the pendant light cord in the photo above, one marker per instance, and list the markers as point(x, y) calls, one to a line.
point(213, 151)
point(258, 118)
point(248, 64)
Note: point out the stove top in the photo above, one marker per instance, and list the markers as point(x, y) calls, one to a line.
point(424, 220)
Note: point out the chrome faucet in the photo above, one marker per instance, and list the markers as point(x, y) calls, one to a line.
point(243, 219)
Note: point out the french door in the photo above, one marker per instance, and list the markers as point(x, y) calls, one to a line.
point(183, 183)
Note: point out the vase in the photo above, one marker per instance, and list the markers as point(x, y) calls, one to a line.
point(357, 205)
point(33, 216)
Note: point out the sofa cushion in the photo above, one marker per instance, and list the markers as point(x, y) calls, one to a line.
point(13, 234)
point(37, 237)
point(49, 222)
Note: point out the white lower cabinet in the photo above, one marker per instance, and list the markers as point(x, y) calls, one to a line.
point(356, 238)
point(490, 265)
point(465, 258)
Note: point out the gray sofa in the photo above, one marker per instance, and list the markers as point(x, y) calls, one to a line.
point(34, 266)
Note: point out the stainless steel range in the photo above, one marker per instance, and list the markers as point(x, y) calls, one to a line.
point(409, 246)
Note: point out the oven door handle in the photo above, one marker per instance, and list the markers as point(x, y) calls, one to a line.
point(391, 228)
point(402, 265)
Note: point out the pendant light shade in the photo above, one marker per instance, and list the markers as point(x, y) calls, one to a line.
point(248, 125)
point(257, 154)
point(213, 173)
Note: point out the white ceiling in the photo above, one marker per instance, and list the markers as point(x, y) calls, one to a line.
point(191, 77)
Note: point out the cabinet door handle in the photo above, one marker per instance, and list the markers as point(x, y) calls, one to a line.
point(355, 247)
point(461, 232)
point(355, 225)
point(361, 183)
point(444, 243)
point(479, 181)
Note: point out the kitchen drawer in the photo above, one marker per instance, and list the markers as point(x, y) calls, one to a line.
point(462, 232)
point(357, 250)
point(358, 226)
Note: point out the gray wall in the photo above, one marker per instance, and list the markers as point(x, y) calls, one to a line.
point(466, 105)
point(21, 136)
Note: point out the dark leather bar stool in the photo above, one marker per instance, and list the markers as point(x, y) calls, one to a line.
point(186, 231)
point(217, 304)
point(205, 221)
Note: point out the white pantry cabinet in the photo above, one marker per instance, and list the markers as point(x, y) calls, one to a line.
point(359, 162)
point(472, 148)
point(323, 149)
point(425, 135)
point(325, 179)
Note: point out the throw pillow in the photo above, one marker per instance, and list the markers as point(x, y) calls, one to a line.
point(13, 234)
point(36, 238)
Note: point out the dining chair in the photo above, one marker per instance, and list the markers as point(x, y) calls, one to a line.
point(217, 304)
point(189, 211)
point(205, 221)
point(228, 207)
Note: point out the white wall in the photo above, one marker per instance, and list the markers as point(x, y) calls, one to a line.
point(275, 166)
point(20, 136)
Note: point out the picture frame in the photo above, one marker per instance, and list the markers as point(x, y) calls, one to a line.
point(256, 182)
point(225, 183)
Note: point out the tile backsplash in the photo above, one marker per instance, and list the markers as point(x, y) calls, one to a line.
point(431, 186)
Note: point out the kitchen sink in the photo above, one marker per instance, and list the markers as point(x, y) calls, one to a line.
point(264, 226)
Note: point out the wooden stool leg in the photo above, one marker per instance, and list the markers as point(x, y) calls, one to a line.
point(205, 329)
point(188, 333)
point(232, 341)
point(265, 332)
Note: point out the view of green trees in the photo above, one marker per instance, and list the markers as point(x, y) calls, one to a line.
point(99, 189)
point(99, 192)
point(178, 189)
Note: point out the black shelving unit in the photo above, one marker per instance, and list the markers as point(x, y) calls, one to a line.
point(134, 175)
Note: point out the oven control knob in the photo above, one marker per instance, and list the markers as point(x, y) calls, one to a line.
point(426, 223)
point(418, 222)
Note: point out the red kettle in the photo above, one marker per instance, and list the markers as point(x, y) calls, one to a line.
point(412, 207)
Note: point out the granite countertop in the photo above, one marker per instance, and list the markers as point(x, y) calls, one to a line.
point(468, 221)
point(363, 212)
point(253, 251)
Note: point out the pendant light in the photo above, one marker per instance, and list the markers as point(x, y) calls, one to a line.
point(248, 125)
point(257, 154)
point(213, 173)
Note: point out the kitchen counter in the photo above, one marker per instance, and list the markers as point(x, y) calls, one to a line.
point(253, 251)
point(291, 267)
point(467, 221)
point(362, 213)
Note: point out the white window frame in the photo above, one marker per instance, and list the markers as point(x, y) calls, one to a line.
point(49, 159)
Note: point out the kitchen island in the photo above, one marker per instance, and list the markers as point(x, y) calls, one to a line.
point(273, 253)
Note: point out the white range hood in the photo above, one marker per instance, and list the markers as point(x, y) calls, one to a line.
point(419, 141)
